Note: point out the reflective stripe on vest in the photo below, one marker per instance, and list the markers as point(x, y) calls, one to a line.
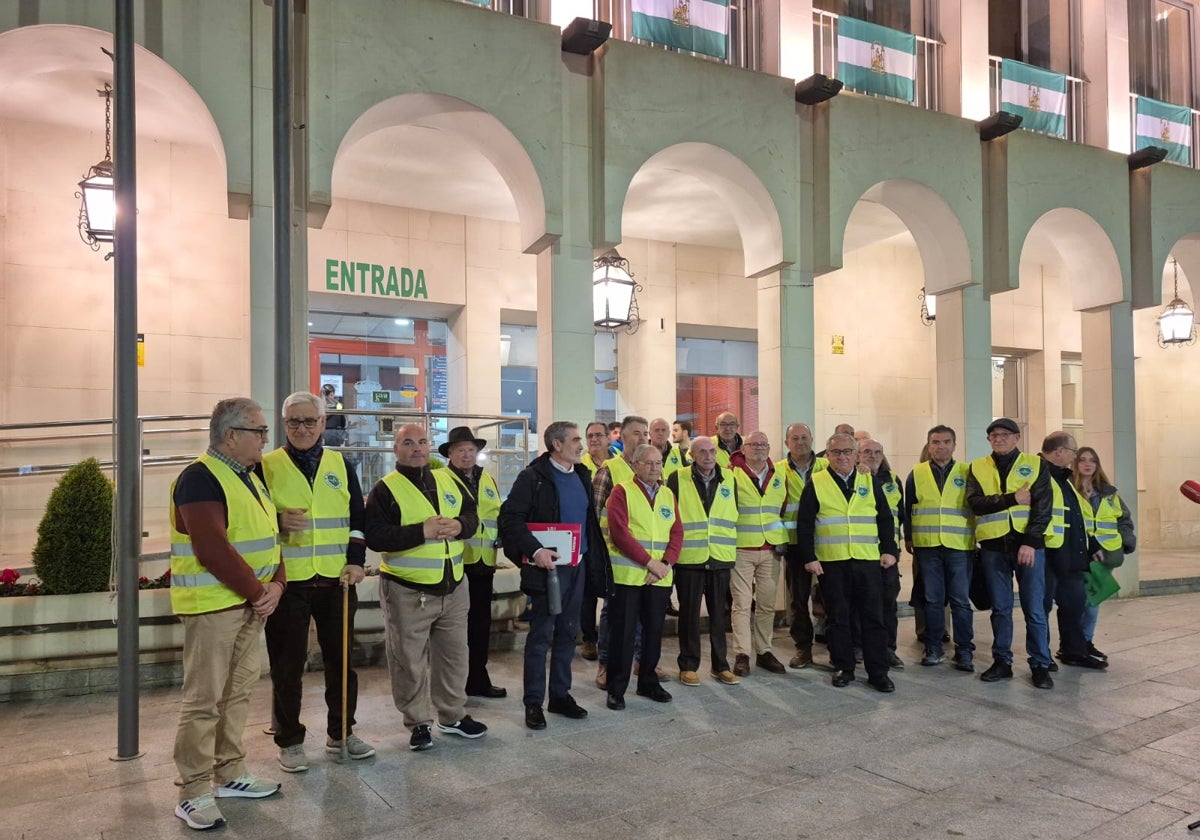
point(481, 546)
point(794, 482)
point(319, 549)
point(651, 527)
point(252, 530)
point(708, 535)
point(759, 514)
point(1105, 523)
point(426, 563)
point(1056, 531)
point(941, 517)
point(1023, 474)
point(845, 528)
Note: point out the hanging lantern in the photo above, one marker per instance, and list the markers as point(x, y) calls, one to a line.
point(928, 307)
point(1177, 322)
point(614, 294)
point(98, 199)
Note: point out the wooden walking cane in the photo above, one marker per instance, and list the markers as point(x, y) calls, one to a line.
point(345, 661)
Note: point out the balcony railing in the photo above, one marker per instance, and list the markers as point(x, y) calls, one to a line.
point(516, 8)
point(929, 60)
point(744, 27)
point(1076, 100)
point(1133, 97)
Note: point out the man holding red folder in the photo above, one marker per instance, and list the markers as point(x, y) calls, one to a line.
point(555, 488)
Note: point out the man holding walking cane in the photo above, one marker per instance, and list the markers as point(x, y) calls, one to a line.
point(321, 521)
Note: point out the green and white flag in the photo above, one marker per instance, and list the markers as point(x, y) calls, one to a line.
point(700, 26)
point(1038, 96)
point(876, 59)
point(1165, 125)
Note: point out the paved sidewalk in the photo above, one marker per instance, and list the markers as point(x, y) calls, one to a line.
point(1104, 755)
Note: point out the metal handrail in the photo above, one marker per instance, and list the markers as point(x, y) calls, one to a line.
point(58, 469)
point(51, 424)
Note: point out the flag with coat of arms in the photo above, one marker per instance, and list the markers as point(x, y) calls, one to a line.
point(1166, 125)
point(700, 26)
point(876, 59)
point(1038, 95)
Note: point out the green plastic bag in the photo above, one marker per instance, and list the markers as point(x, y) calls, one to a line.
point(1099, 583)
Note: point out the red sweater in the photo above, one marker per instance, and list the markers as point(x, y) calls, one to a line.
point(618, 528)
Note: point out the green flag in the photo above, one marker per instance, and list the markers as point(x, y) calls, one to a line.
point(1038, 96)
point(876, 59)
point(700, 26)
point(1165, 125)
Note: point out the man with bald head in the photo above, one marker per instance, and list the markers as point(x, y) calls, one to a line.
point(417, 519)
point(727, 438)
point(660, 436)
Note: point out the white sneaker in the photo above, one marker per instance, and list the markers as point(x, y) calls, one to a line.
point(200, 812)
point(356, 747)
point(247, 786)
point(292, 759)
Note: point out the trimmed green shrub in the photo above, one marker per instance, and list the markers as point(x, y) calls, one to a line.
point(74, 545)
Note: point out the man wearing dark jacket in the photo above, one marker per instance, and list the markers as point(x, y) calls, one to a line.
point(556, 487)
point(1070, 548)
point(1010, 495)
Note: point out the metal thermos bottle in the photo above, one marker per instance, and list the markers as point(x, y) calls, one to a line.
point(553, 592)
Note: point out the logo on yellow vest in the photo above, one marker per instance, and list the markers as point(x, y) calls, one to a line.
point(1024, 471)
point(664, 512)
point(489, 492)
point(450, 498)
point(958, 482)
point(889, 487)
point(862, 491)
point(333, 481)
point(725, 494)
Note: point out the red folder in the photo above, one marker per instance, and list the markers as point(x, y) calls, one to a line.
point(563, 537)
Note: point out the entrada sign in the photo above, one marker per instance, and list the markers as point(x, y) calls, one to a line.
point(370, 278)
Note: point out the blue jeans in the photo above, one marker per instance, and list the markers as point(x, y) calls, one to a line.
point(556, 634)
point(946, 573)
point(1031, 582)
point(1090, 616)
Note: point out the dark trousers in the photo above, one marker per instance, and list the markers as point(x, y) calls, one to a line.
point(587, 619)
point(692, 584)
point(1067, 590)
point(555, 634)
point(631, 604)
point(855, 586)
point(479, 625)
point(287, 647)
point(889, 592)
point(800, 585)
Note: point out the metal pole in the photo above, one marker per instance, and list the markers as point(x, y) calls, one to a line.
point(127, 518)
point(281, 91)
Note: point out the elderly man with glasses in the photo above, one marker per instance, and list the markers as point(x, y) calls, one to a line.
point(321, 523)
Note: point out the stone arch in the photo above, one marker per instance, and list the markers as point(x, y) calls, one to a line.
point(1089, 257)
point(483, 132)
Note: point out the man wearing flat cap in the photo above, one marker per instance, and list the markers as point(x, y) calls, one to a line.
point(461, 450)
point(1009, 492)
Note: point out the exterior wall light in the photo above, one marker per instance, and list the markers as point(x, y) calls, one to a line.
point(614, 294)
point(928, 307)
point(1177, 322)
point(98, 201)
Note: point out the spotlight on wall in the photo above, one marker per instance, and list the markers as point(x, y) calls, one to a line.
point(997, 125)
point(97, 198)
point(614, 294)
point(817, 88)
point(584, 36)
point(1147, 156)
point(928, 307)
point(1177, 321)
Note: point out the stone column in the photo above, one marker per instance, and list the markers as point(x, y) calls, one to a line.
point(473, 350)
point(786, 381)
point(964, 368)
point(646, 359)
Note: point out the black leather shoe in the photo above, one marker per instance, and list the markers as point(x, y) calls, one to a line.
point(768, 662)
point(534, 718)
point(841, 679)
point(998, 671)
point(1053, 667)
point(490, 691)
point(882, 684)
point(658, 694)
point(1084, 662)
point(741, 665)
point(1103, 657)
point(567, 707)
point(1042, 678)
point(615, 703)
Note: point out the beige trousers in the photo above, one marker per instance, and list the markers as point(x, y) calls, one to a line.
point(755, 578)
point(426, 643)
point(221, 664)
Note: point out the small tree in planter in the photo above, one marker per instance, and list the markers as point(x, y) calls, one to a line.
point(74, 546)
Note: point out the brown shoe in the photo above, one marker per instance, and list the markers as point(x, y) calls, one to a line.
point(802, 659)
point(689, 678)
point(602, 677)
point(662, 675)
point(590, 651)
point(741, 665)
point(726, 676)
point(768, 662)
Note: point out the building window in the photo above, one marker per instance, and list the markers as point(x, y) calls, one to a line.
point(1160, 50)
point(714, 376)
point(1008, 389)
point(913, 16)
point(518, 372)
point(1037, 32)
point(606, 377)
point(1072, 394)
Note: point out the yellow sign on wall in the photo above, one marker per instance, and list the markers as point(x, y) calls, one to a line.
point(141, 351)
point(839, 345)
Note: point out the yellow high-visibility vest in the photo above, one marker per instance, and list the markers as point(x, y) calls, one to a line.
point(1056, 531)
point(620, 472)
point(672, 462)
point(650, 525)
point(941, 517)
point(795, 486)
point(712, 534)
point(894, 495)
point(760, 514)
point(426, 563)
point(481, 546)
point(722, 455)
point(320, 549)
point(1105, 522)
point(1024, 472)
point(591, 465)
point(252, 530)
point(845, 528)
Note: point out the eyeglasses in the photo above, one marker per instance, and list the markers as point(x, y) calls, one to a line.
point(262, 433)
point(727, 425)
point(757, 445)
point(651, 463)
point(597, 435)
point(840, 451)
point(308, 423)
point(1068, 449)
